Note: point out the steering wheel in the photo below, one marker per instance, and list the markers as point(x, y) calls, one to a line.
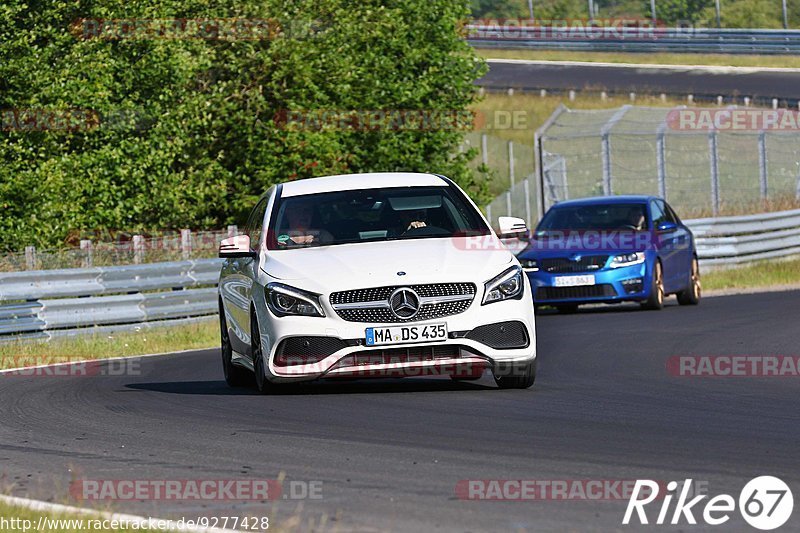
point(426, 230)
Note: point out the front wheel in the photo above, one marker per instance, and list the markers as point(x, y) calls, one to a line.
point(518, 379)
point(691, 296)
point(263, 384)
point(656, 299)
point(235, 376)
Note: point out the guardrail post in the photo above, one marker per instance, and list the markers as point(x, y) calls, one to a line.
point(762, 163)
point(86, 248)
point(713, 155)
point(511, 162)
point(186, 243)
point(30, 258)
point(138, 249)
point(233, 230)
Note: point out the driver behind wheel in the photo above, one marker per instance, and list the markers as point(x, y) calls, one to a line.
point(636, 218)
point(413, 218)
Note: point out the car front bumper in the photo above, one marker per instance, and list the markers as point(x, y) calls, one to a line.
point(611, 285)
point(463, 353)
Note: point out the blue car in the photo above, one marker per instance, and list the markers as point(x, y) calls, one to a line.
point(609, 250)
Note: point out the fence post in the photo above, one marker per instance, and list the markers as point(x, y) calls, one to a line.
point(538, 172)
point(138, 249)
point(508, 203)
point(489, 214)
point(661, 167)
point(714, 159)
point(233, 230)
point(511, 162)
point(485, 149)
point(526, 188)
point(605, 155)
point(186, 243)
point(86, 248)
point(30, 258)
point(605, 152)
point(762, 164)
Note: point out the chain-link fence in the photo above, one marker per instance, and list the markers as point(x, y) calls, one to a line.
point(705, 162)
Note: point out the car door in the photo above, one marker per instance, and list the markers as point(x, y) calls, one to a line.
point(664, 244)
point(238, 284)
point(683, 242)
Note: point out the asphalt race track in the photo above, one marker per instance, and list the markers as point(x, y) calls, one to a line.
point(390, 453)
point(762, 85)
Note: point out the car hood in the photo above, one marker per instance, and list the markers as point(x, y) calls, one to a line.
point(349, 266)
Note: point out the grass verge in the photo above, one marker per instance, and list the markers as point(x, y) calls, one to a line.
point(761, 274)
point(188, 337)
point(720, 60)
point(22, 519)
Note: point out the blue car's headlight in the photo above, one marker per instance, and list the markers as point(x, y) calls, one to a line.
point(624, 260)
point(506, 286)
point(284, 300)
point(529, 265)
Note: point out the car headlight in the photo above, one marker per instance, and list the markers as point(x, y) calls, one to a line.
point(506, 286)
point(284, 300)
point(531, 265)
point(624, 260)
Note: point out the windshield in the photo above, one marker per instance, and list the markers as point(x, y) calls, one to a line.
point(372, 215)
point(600, 217)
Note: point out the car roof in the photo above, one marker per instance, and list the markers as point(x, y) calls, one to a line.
point(597, 200)
point(349, 182)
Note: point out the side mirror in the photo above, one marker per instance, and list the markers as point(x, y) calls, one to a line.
point(666, 227)
point(238, 246)
point(512, 226)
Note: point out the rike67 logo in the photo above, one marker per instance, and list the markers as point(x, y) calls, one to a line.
point(765, 503)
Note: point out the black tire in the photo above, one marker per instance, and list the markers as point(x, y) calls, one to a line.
point(693, 293)
point(235, 376)
point(263, 385)
point(567, 309)
point(656, 299)
point(518, 380)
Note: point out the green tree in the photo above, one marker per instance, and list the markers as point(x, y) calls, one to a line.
point(187, 135)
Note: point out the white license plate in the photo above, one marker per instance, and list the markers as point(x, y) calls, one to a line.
point(405, 334)
point(574, 281)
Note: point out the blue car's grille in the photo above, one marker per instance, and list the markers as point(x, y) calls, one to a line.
point(586, 263)
point(566, 293)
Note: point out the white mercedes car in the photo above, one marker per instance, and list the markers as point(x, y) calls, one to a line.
point(373, 275)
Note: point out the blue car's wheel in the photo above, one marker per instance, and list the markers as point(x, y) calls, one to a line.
point(656, 299)
point(691, 296)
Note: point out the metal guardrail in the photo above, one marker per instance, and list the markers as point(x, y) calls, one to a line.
point(52, 303)
point(49, 303)
point(741, 239)
point(696, 40)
